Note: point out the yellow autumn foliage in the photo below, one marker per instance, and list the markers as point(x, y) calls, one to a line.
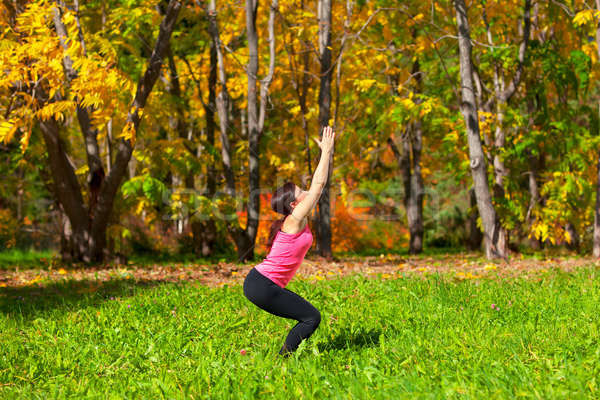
point(33, 58)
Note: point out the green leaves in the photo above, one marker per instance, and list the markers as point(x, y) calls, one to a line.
point(581, 67)
point(147, 186)
point(154, 189)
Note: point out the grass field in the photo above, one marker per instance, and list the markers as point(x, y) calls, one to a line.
point(23, 258)
point(425, 337)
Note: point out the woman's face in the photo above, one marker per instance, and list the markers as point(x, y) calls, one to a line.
point(300, 195)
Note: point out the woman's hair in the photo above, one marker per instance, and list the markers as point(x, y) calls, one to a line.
point(280, 203)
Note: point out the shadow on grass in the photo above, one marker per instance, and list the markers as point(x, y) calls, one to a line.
point(348, 339)
point(29, 301)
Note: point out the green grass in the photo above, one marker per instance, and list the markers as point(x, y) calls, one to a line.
point(24, 258)
point(378, 339)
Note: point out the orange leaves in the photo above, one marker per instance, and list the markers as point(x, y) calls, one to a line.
point(354, 229)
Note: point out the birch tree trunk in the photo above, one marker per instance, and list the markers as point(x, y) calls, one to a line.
point(205, 229)
point(468, 107)
point(246, 238)
point(301, 85)
point(178, 124)
point(222, 100)
point(501, 97)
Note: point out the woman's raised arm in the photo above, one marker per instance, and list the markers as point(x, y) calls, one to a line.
point(320, 177)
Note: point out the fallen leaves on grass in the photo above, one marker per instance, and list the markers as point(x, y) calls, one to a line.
point(461, 266)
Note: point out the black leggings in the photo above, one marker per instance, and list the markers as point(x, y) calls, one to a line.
point(267, 295)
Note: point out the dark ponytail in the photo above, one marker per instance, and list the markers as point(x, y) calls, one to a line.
point(280, 203)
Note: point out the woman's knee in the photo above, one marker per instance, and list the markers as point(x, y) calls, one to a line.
point(315, 319)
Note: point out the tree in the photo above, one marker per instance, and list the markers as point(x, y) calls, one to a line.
point(245, 238)
point(324, 221)
point(489, 218)
point(500, 96)
point(88, 222)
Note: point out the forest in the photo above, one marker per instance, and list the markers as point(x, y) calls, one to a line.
point(454, 239)
point(136, 126)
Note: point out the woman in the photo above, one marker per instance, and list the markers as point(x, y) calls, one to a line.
point(289, 240)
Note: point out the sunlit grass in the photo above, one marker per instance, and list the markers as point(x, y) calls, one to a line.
point(24, 258)
point(429, 337)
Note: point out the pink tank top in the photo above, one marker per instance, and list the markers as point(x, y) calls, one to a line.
point(286, 255)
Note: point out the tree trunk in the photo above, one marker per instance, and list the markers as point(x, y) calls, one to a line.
point(502, 96)
point(494, 244)
point(90, 133)
point(573, 244)
point(89, 224)
point(222, 100)
point(205, 232)
point(409, 163)
point(324, 224)
point(209, 110)
point(417, 190)
point(410, 168)
point(204, 229)
point(301, 85)
point(178, 124)
point(246, 238)
point(112, 183)
point(67, 192)
point(246, 252)
point(475, 235)
point(304, 109)
point(67, 251)
point(108, 141)
point(413, 185)
point(417, 193)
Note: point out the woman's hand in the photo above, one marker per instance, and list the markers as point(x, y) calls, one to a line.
point(326, 142)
